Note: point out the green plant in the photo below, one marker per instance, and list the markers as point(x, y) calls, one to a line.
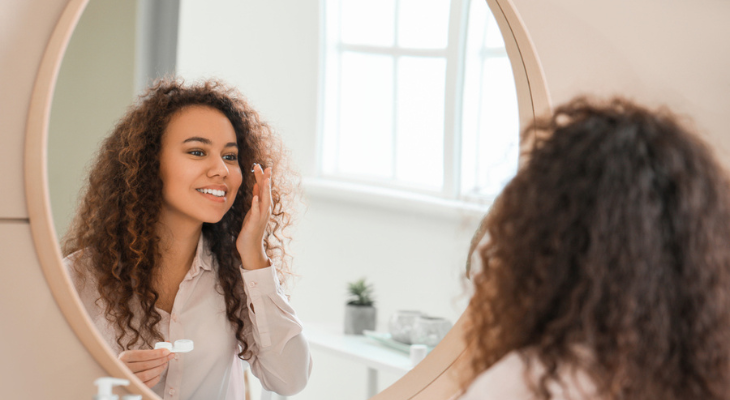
point(361, 293)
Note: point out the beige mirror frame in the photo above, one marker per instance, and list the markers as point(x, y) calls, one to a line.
point(431, 379)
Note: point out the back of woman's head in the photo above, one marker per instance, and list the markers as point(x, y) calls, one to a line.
point(612, 238)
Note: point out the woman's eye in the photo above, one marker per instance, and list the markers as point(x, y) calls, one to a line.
point(197, 153)
point(230, 157)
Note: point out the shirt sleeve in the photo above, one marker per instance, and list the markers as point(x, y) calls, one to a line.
point(281, 359)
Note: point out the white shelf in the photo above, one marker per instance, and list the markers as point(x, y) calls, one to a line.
point(330, 338)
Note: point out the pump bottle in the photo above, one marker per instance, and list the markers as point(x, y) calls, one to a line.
point(105, 385)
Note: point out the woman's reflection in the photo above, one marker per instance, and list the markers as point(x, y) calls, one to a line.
point(179, 237)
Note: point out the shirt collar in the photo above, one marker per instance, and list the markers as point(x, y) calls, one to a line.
point(203, 258)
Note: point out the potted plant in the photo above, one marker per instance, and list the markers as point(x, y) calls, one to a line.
point(359, 311)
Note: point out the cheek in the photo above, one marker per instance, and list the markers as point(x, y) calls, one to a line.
point(178, 182)
point(236, 180)
point(172, 171)
point(166, 181)
point(172, 179)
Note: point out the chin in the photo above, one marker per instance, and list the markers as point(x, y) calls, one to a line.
point(212, 219)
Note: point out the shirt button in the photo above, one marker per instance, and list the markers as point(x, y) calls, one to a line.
point(252, 284)
point(172, 392)
point(176, 356)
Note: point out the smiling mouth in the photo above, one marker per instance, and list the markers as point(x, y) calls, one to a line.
point(216, 193)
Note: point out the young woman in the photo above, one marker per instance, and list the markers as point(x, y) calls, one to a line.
point(605, 271)
point(179, 237)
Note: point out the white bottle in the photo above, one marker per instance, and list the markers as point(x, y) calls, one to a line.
point(105, 385)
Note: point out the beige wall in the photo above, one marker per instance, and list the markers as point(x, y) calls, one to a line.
point(671, 52)
point(655, 51)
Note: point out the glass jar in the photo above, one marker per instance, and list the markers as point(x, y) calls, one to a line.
point(401, 325)
point(429, 330)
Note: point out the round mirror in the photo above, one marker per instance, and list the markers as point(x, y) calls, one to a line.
point(409, 237)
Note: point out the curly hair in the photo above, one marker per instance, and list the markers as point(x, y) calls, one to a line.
point(114, 226)
point(614, 237)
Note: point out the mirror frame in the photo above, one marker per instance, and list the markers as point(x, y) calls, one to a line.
point(433, 378)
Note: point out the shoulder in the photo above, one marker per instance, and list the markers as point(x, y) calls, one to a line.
point(75, 264)
point(511, 378)
point(503, 380)
point(79, 269)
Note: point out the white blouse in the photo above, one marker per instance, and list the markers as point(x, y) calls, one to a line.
point(280, 360)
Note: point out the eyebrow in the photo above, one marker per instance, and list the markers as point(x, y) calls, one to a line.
point(207, 141)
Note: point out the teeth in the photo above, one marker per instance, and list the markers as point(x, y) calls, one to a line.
point(216, 193)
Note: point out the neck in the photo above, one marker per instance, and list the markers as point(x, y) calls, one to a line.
point(178, 243)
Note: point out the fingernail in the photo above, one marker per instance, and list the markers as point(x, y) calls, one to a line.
point(253, 167)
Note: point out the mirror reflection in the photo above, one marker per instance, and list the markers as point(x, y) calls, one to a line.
point(413, 126)
point(177, 239)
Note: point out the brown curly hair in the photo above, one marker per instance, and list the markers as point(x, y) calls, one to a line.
point(115, 224)
point(613, 237)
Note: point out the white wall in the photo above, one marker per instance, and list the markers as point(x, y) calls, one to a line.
point(270, 50)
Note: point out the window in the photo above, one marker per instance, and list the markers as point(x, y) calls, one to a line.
point(425, 102)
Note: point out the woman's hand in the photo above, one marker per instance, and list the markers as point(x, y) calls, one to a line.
point(250, 242)
point(147, 365)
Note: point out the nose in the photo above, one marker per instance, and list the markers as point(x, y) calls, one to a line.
point(218, 167)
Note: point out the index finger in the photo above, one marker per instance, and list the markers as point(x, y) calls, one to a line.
point(266, 190)
point(258, 173)
point(143, 355)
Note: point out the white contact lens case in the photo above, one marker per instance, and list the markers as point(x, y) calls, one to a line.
point(181, 346)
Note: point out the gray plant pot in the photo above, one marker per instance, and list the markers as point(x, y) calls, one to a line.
point(359, 318)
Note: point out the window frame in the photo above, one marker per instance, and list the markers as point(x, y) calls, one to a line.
point(374, 191)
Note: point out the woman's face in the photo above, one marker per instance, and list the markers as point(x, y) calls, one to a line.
point(198, 166)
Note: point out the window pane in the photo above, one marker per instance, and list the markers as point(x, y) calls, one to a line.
point(472, 92)
point(366, 115)
point(493, 37)
point(423, 23)
point(490, 122)
point(499, 127)
point(420, 126)
point(370, 22)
